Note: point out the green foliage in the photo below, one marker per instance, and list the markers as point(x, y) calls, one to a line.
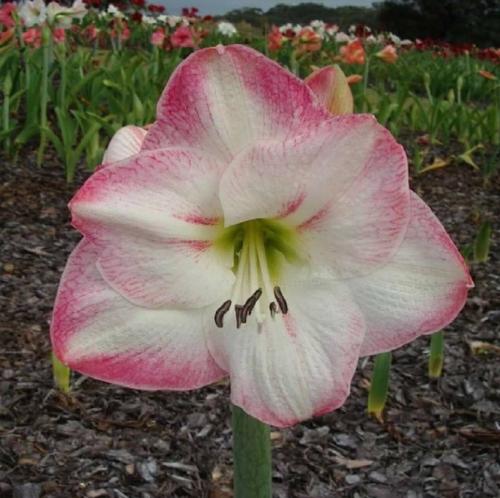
point(424, 94)
point(74, 98)
point(61, 374)
point(481, 246)
point(380, 384)
point(75, 101)
point(436, 358)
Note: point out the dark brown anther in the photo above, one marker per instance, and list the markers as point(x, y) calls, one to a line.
point(238, 309)
point(250, 304)
point(281, 300)
point(221, 311)
point(256, 295)
point(273, 309)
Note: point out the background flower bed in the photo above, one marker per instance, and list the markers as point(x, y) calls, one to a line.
point(103, 69)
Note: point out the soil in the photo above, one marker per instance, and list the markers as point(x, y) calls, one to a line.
point(438, 438)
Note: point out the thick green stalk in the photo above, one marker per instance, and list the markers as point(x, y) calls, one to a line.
point(436, 358)
point(380, 384)
point(252, 456)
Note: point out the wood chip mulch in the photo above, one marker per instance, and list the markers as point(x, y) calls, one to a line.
point(438, 438)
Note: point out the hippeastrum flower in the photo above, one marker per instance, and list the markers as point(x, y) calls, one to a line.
point(6, 15)
point(353, 52)
point(388, 54)
point(62, 16)
point(33, 12)
point(251, 234)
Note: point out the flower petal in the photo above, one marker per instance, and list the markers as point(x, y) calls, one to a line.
point(222, 99)
point(344, 187)
point(419, 292)
point(331, 87)
point(97, 332)
point(126, 142)
point(296, 365)
point(154, 217)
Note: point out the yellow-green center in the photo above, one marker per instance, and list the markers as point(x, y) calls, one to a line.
point(260, 250)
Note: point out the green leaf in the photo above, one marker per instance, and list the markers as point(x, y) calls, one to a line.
point(436, 358)
point(380, 385)
point(482, 243)
point(61, 374)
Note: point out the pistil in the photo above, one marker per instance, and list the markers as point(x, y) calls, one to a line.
point(253, 272)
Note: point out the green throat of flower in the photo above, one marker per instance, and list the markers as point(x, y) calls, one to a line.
point(260, 248)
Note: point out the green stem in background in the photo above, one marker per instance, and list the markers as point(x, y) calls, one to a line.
point(7, 89)
point(22, 55)
point(156, 64)
point(61, 374)
point(294, 63)
point(252, 456)
point(496, 135)
point(469, 75)
point(44, 91)
point(379, 385)
point(436, 358)
point(64, 79)
point(366, 74)
point(482, 243)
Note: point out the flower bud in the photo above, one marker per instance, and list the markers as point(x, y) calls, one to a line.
point(332, 88)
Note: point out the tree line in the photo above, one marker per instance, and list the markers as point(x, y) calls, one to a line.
point(455, 21)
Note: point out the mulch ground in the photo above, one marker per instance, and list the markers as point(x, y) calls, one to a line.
point(438, 439)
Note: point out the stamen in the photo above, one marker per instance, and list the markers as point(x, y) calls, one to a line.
point(252, 301)
point(281, 300)
point(250, 304)
point(238, 309)
point(221, 311)
point(272, 308)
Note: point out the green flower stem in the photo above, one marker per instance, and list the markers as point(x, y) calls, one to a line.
point(7, 89)
point(366, 74)
point(380, 384)
point(64, 78)
point(436, 359)
point(44, 91)
point(252, 456)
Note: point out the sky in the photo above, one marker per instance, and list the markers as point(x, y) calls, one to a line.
point(222, 6)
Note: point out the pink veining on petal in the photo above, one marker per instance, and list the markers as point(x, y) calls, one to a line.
point(315, 219)
point(198, 219)
point(195, 245)
point(292, 206)
point(290, 325)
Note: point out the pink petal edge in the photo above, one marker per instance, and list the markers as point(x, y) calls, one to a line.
point(83, 299)
point(426, 313)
